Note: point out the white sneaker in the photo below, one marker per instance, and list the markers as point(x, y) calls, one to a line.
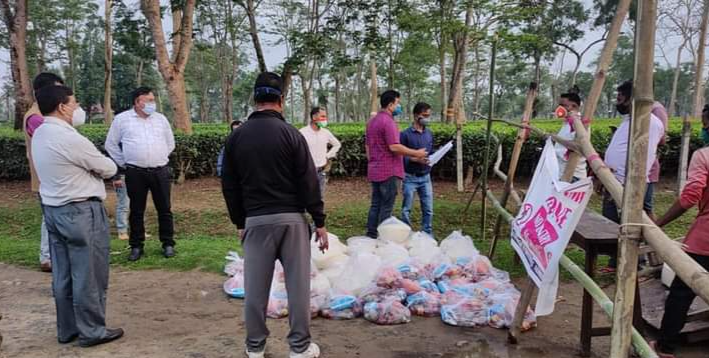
point(260, 354)
point(313, 351)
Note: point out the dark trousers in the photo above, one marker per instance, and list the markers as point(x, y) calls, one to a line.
point(383, 197)
point(80, 242)
point(676, 308)
point(157, 181)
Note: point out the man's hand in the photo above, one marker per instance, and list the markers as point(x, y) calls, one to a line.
point(241, 233)
point(321, 236)
point(420, 153)
point(118, 183)
point(420, 160)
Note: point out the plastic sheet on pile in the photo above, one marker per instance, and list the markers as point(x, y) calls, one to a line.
point(388, 280)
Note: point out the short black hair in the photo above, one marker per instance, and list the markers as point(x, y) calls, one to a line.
point(268, 88)
point(421, 107)
point(626, 88)
point(573, 97)
point(234, 123)
point(49, 98)
point(45, 79)
point(140, 91)
point(388, 97)
point(314, 111)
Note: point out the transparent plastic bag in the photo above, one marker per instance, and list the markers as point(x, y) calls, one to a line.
point(234, 265)
point(277, 305)
point(361, 244)
point(387, 312)
point(421, 240)
point(392, 254)
point(323, 260)
point(337, 265)
point(424, 304)
point(478, 268)
point(234, 286)
point(360, 271)
point(388, 277)
point(394, 230)
point(342, 307)
point(319, 285)
point(466, 312)
point(502, 310)
point(374, 293)
point(458, 245)
point(317, 303)
point(414, 270)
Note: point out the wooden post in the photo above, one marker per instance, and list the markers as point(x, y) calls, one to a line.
point(684, 154)
point(589, 108)
point(699, 65)
point(514, 161)
point(488, 134)
point(635, 181)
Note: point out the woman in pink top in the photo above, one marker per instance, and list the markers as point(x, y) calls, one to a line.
point(696, 243)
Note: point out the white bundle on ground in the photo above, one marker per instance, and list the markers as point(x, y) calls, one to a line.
point(333, 253)
point(360, 270)
point(457, 245)
point(395, 230)
point(424, 248)
point(335, 267)
point(234, 264)
point(361, 244)
point(392, 254)
point(234, 286)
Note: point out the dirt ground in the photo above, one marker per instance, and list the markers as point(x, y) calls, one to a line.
point(186, 314)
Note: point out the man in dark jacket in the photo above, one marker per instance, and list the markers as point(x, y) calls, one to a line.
point(269, 181)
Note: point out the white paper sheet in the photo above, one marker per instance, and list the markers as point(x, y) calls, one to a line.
point(439, 154)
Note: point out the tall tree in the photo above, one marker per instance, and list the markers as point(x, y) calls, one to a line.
point(699, 72)
point(250, 8)
point(173, 71)
point(108, 64)
point(15, 18)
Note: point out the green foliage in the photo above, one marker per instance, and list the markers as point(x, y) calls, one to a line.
point(196, 154)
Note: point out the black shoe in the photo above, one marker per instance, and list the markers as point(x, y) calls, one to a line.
point(168, 252)
point(68, 340)
point(135, 254)
point(111, 335)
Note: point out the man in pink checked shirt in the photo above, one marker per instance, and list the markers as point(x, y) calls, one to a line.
point(32, 120)
point(696, 243)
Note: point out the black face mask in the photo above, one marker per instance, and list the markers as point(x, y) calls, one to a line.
point(623, 108)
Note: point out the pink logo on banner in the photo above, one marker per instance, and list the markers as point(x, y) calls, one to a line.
point(575, 196)
point(539, 233)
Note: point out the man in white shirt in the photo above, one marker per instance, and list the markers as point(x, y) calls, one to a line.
point(141, 140)
point(71, 172)
point(319, 138)
point(568, 110)
point(617, 153)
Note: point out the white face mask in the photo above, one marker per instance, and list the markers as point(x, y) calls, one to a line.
point(78, 118)
point(149, 108)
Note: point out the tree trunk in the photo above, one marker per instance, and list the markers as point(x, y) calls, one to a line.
point(176, 30)
point(139, 74)
point(460, 45)
point(675, 81)
point(337, 98)
point(251, 13)
point(699, 73)
point(373, 89)
point(442, 70)
point(307, 97)
point(16, 25)
point(108, 64)
point(173, 72)
point(390, 47)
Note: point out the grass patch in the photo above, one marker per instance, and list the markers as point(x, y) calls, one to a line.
point(205, 236)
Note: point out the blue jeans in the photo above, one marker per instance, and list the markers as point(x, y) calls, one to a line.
point(122, 205)
point(422, 186)
point(383, 197)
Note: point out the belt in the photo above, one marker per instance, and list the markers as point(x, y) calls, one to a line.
point(154, 169)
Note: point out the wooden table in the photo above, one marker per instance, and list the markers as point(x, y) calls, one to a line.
point(597, 235)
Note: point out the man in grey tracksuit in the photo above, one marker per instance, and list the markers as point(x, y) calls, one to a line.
point(269, 181)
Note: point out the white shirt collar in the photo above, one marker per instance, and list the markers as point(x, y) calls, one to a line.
point(60, 122)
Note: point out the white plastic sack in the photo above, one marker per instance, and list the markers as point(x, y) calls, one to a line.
point(324, 260)
point(392, 254)
point(361, 244)
point(395, 230)
point(424, 248)
point(319, 285)
point(336, 266)
point(359, 271)
point(234, 265)
point(458, 245)
point(421, 239)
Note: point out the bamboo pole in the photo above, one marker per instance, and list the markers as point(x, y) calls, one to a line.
point(635, 181)
point(488, 133)
point(604, 62)
point(684, 154)
point(639, 343)
point(699, 65)
point(514, 161)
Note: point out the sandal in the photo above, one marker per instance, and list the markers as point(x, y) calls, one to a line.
point(653, 345)
point(607, 269)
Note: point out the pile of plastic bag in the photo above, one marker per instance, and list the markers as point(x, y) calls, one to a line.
point(401, 274)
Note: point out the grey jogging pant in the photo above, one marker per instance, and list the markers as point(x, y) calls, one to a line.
point(79, 242)
point(268, 238)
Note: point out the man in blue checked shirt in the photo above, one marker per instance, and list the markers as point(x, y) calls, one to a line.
point(417, 171)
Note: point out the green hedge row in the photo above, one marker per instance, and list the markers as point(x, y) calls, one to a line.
point(195, 155)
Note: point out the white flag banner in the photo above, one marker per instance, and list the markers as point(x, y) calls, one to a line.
point(544, 225)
